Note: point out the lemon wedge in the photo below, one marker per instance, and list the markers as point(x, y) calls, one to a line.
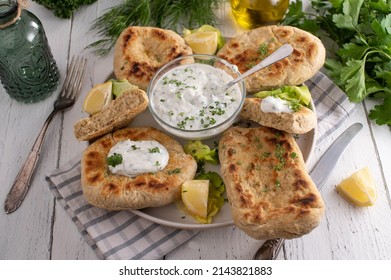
point(195, 197)
point(98, 98)
point(202, 42)
point(207, 28)
point(359, 188)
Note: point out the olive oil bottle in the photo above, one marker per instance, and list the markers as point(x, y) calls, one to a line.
point(254, 13)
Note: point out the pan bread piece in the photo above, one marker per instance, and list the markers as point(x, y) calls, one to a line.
point(118, 114)
point(140, 51)
point(299, 122)
point(106, 190)
point(249, 48)
point(270, 192)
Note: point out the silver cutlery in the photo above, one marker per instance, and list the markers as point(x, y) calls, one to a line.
point(66, 99)
point(281, 53)
point(319, 174)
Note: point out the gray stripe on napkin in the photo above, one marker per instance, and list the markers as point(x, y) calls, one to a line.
point(331, 104)
point(123, 235)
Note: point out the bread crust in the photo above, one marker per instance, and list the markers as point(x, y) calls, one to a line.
point(103, 189)
point(140, 51)
point(118, 114)
point(245, 50)
point(299, 122)
point(270, 192)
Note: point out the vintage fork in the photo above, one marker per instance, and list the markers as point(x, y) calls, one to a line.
point(66, 99)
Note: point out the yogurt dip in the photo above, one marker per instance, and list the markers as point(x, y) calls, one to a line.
point(271, 104)
point(189, 97)
point(138, 157)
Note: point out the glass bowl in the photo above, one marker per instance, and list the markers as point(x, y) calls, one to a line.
point(186, 96)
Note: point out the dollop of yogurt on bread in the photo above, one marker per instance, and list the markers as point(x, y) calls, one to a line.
point(137, 157)
point(273, 104)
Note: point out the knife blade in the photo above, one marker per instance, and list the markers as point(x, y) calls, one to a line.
point(270, 249)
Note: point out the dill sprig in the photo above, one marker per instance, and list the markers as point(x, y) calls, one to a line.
point(168, 14)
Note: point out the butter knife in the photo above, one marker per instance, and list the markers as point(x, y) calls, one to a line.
point(319, 174)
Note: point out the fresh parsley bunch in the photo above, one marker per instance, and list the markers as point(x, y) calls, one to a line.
point(360, 61)
point(64, 8)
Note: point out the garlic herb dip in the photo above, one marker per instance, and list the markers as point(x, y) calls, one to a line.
point(138, 157)
point(271, 104)
point(189, 97)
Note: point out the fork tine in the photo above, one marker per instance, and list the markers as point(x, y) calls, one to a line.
point(79, 78)
point(67, 77)
point(72, 72)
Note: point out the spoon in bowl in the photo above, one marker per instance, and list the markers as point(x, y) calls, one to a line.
point(280, 53)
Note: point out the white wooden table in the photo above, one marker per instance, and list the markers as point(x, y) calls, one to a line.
point(41, 229)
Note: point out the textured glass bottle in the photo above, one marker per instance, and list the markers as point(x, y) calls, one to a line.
point(28, 70)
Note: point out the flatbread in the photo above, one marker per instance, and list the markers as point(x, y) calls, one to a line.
point(103, 189)
point(249, 48)
point(140, 51)
point(299, 122)
point(118, 114)
point(268, 187)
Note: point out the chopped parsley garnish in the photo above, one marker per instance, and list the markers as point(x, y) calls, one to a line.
point(263, 49)
point(154, 150)
point(134, 147)
point(293, 155)
point(266, 155)
point(181, 124)
point(114, 159)
point(217, 111)
point(174, 171)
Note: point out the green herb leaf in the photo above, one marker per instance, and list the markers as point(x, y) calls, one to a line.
point(353, 75)
point(359, 61)
point(168, 14)
point(382, 113)
point(114, 160)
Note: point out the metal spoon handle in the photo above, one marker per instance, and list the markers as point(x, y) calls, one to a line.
point(280, 53)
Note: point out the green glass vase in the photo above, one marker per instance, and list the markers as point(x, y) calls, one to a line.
point(28, 70)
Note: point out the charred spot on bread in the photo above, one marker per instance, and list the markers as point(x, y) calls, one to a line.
point(268, 201)
point(111, 188)
point(143, 190)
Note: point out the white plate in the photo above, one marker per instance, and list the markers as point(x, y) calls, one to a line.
point(172, 215)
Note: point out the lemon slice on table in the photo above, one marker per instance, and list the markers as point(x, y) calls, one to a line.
point(359, 188)
point(202, 42)
point(98, 98)
point(195, 197)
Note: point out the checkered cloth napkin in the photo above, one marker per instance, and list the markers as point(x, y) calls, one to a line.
point(123, 235)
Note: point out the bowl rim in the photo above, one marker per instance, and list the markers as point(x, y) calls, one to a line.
point(157, 76)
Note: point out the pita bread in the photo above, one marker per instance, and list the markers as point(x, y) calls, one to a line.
point(140, 51)
point(103, 189)
point(118, 114)
point(299, 122)
point(269, 190)
point(249, 48)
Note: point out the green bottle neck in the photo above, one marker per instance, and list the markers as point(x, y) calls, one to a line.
point(8, 10)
